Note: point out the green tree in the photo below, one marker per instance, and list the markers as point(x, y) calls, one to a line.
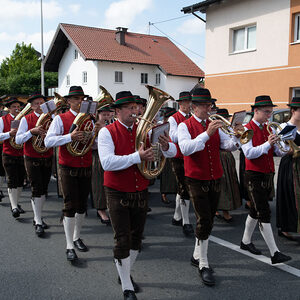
point(20, 73)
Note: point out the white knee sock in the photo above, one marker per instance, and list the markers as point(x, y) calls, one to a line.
point(185, 208)
point(203, 247)
point(69, 224)
point(37, 209)
point(78, 224)
point(177, 213)
point(250, 225)
point(267, 233)
point(133, 256)
point(13, 197)
point(124, 273)
point(196, 253)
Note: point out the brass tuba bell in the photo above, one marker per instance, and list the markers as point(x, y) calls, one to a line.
point(245, 135)
point(84, 122)
point(156, 100)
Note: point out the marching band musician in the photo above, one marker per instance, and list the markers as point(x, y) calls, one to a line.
point(259, 176)
point(74, 171)
point(2, 171)
point(13, 161)
point(38, 165)
point(200, 141)
point(181, 214)
point(125, 187)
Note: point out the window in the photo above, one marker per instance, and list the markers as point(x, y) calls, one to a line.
point(118, 76)
point(75, 54)
point(157, 79)
point(297, 28)
point(68, 80)
point(84, 77)
point(244, 39)
point(144, 78)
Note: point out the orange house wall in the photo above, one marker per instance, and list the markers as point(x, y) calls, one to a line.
point(241, 89)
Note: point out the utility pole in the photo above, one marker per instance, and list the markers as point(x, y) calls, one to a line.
point(42, 54)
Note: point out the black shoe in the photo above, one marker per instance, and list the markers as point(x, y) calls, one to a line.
point(1, 196)
point(129, 295)
point(135, 285)
point(187, 229)
point(20, 209)
point(44, 225)
point(176, 223)
point(207, 276)
point(15, 213)
point(195, 263)
point(288, 237)
point(279, 258)
point(39, 230)
point(149, 209)
point(71, 255)
point(251, 248)
point(80, 245)
point(107, 222)
point(164, 199)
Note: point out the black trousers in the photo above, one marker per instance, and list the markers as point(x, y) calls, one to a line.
point(39, 174)
point(76, 187)
point(204, 195)
point(14, 169)
point(128, 213)
point(178, 168)
point(259, 187)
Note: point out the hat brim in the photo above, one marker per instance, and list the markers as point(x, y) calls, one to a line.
point(12, 102)
point(116, 105)
point(257, 106)
point(75, 95)
point(291, 105)
point(203, 101)
point(36, 97)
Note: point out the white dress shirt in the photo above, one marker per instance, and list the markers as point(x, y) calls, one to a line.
point(23, 134)
point(112, 162)
point(189, 146)
point(4, 135)
point(173, 133)
point(55, 135)
point(251, 152)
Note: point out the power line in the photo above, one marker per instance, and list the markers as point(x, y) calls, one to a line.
point(176, 41)
point(150, 23)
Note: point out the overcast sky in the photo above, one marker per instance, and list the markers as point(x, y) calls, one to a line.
point(20, 21)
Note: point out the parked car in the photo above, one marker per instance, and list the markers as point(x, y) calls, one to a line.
point(278, 115)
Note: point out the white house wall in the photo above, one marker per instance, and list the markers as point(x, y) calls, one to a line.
point(272, 41)
point(75, 68)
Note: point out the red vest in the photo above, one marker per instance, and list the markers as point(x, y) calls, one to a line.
point(7, 148)
point(264, 163)
point(205, 164)
point(65, 157)
point(28, 149)
point(129, 180)
point(179, 118)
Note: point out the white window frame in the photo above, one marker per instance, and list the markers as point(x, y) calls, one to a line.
point(157, 79)
point(296, 89)
point(68, 80)
point(75, 54)
point(245, 49)
point(297, 28)
point(84, 77)
point(118, 77)
point(144, 78)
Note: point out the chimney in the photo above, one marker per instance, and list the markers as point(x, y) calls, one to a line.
point(120, 35)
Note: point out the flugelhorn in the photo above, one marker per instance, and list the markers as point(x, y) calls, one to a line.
point(288, 137)
point(245, 135)
point(84, 122)
point(156, 100)
point(45, 120)
point(25, 111)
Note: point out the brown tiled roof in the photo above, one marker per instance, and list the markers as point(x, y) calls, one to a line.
point(100, 44)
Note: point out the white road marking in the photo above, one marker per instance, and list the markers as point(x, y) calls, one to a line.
point(262, 258)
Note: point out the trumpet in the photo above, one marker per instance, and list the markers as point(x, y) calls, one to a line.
point(287, 138)
point(245, 135)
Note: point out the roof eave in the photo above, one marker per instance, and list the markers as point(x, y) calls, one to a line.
point(201, 6)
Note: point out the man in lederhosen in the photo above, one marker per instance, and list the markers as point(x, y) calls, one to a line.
point(181, 214)
point(38, 165)
point(74, 171)
point(125, 187)
point(200, 141)
point(259, 176)
point(13, 160)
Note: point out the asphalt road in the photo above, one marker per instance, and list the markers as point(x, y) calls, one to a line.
point(36, 268)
